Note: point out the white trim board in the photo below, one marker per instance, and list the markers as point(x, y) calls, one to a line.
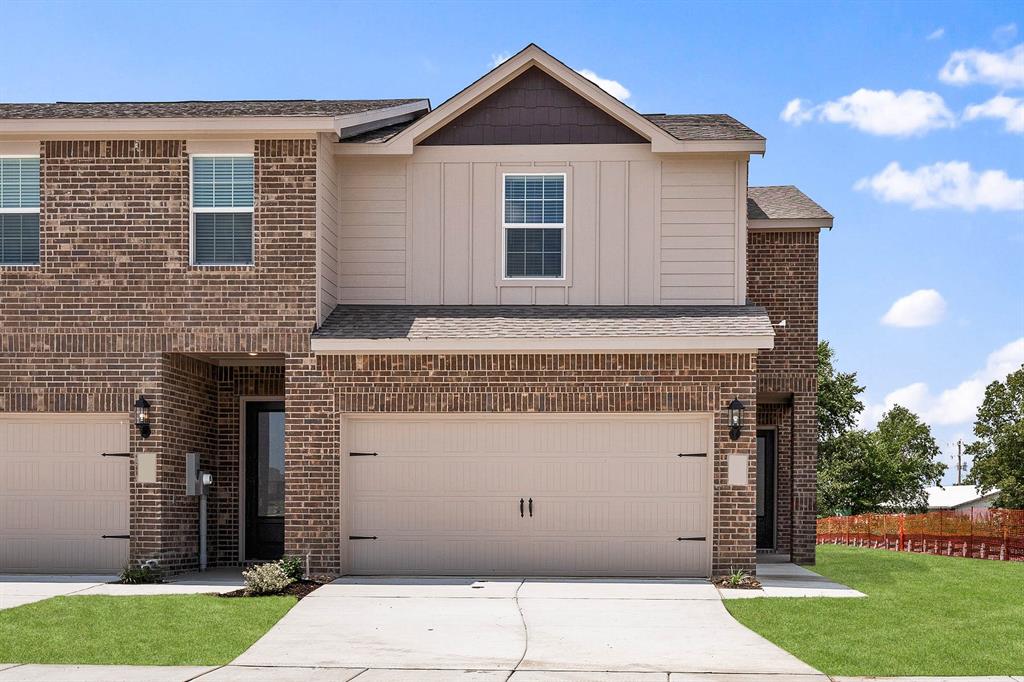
point(626, 344)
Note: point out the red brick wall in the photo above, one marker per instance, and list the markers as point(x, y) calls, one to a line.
point(114, 298)
point(782, 275)
point(320, 389)
point(114, 245)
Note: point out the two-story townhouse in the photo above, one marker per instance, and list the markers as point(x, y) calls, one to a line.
point(530, 331)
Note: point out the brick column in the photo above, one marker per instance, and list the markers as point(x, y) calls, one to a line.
point(312, 525)
point(805, 468)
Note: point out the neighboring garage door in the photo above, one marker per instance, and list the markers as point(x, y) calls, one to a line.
point(611, 495)
point(59, 495)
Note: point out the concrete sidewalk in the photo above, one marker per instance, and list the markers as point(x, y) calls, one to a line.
point(236, 673)
point(790, 580)
point(20, 589)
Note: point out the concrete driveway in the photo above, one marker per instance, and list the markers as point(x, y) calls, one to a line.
point(407, 627)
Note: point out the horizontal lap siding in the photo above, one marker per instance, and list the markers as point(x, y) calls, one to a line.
point(372, 231)
point(327, 226)
point(698, 232)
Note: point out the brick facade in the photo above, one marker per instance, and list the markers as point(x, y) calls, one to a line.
point(322, 389)
point(115, 310)
point(782, 275)
point(114, 305)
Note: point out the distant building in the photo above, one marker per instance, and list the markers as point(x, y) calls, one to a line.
point(958, 498)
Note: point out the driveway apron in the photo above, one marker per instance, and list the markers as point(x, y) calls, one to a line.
point(511, 624)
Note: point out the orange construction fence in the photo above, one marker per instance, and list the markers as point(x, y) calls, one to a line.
point(976, 533)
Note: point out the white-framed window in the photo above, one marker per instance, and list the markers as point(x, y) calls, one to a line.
point(19, 210)
point(533, 225)
point(222, 206)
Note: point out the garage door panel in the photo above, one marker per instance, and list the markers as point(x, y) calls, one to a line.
point(58, 495)
point(611, 495)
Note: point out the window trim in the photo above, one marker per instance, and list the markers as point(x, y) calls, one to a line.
point(505, 226)
point(22, 210)
point(192, 210)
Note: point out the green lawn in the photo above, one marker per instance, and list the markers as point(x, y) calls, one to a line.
point(156, 630)
point(924, 615)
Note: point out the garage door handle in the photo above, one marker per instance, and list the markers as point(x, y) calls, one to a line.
point(115, 537)
point(698, 539)
point(531, 507)
point(521, 507)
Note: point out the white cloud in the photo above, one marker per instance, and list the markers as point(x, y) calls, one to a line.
point(612, 87)
point(923, 308)
point(947, 184)
point(936, 34)
point(879, 112)
point(1010, 109)
point(957, 405)
point(797, 111)
point(1004, 34)
point(500, 58)
point(1002, 69)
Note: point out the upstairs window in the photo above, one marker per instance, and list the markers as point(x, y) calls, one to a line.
point(222, 201)
point(19, 210)
point(534, 226)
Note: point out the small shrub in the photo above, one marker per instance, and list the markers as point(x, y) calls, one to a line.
point(266, 579)
point(294, 567)
point(138, 575)
point(737, 577)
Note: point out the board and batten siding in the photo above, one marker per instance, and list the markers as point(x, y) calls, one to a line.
point(641, 228)
point(326, 227)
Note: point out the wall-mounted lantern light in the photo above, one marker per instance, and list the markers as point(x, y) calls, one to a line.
point(735, 418)
point(142, 416)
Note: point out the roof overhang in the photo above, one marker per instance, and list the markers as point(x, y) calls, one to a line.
point(792, 224)
point(234, 126)
point(532, 56)
point(624, 344)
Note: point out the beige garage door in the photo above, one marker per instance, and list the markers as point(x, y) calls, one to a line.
point(59, 495)
point(610, 495)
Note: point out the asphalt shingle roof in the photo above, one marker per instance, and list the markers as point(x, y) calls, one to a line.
point(782, 202)
point(199, 109)
point(687, 127)
point(703, 127)
point(522, 321)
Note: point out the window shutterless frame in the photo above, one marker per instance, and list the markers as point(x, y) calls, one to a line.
point(506, 226)
point(193, 210)
point(23, 210)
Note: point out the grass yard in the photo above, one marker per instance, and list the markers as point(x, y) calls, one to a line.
point(153, 630)
point(924, 615)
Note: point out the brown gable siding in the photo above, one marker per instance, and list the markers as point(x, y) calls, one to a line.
point(533, 108)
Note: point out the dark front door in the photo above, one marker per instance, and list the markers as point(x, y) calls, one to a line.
point(766, 489)
point(264, 480)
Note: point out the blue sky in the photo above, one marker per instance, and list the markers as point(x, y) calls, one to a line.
point(925, 224)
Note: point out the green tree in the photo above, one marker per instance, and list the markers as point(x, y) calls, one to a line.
point(882, 470)
point(838, 444)
point(998, 451)
point(838, 405)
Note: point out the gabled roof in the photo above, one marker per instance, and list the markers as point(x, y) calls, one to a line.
point(703, 127)
point(667, 133)
point(369, 328)
point(199, 108)
point(784, 206)
point(687, 127)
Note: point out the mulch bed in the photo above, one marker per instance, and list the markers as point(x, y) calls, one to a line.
point(749, 582)
point(299, 589)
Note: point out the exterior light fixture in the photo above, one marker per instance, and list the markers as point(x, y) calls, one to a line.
point(735, 418)
point(142, 416)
